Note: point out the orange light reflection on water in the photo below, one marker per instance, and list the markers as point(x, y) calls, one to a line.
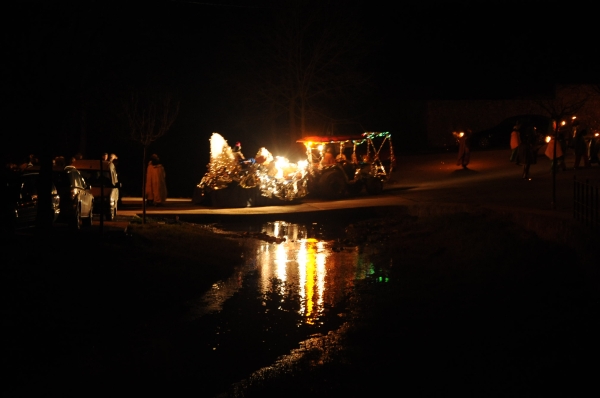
point(319, 274)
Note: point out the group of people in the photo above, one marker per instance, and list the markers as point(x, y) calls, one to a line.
point(332, 156)
point(59, 161)
point(586, 152)
point(155, 189)
point(525, 144)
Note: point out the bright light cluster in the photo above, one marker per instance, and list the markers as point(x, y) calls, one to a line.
point(274, 176)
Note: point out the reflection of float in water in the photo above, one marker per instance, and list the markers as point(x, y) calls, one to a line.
point(320, 275)
point(306, 268)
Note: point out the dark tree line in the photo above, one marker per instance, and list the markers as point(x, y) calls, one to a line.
point(304, 68)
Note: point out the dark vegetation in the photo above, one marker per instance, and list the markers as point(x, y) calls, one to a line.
point(85, 310)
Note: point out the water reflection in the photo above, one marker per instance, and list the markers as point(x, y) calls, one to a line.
point(288, 291)
point(313, 272)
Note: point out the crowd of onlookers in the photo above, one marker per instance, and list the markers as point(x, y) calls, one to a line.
point(155, 190)
point(61, 161)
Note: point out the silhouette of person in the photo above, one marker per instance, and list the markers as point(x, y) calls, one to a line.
point(515, 141)
point(239, 156)
point(581, 148)
point(527, 150)
point(156, 187)
point(464, 150)
point(328, 158)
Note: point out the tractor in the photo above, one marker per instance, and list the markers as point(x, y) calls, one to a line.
point(339, 166)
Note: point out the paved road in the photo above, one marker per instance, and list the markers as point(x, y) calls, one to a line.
point(434, 179)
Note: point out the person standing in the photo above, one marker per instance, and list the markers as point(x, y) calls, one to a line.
point(581, 148)
point(156, 187)
point(239, 156)
point(594, 148)
point(557, 160)
point(114, 160)
point(464, 149)
point(515, 141)
point(328, 158)
point(527, 150)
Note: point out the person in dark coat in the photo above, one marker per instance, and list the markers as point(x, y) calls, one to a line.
point(515, 140)
point(581, 148)
point(464, 149)
point(527, 151)
point(595, 149)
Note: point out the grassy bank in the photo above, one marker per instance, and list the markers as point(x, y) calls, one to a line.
point(80, 307)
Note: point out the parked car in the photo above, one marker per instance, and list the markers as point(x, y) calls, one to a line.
point(20, 200)
point(102, 177)
point(499, 136)
point(76, 198)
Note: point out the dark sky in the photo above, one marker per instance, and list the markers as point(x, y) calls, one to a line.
point(483, 49)
point(417, 50)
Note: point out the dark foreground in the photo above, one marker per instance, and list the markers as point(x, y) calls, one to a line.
point(470, 304)
point(462, 303)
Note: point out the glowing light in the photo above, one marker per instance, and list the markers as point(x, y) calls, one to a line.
point(282, 179)
point(281, 162)
point(281, 262)
point(548, 138)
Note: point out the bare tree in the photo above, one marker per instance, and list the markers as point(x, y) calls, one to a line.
point(566, 103)
point(50, 58)
point(304, 68)
point(149, 117)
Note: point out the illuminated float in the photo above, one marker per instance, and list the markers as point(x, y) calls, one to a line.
point(352, 170)
point(263, 180)
point(333, 168)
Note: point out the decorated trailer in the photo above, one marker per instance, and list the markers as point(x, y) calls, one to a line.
point(234, 181)
point(344, 165)
point(335, 167)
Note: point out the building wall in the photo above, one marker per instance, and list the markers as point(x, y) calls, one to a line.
point(442, 117)
point(445, 116)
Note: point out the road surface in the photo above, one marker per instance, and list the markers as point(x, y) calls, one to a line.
point(491, 181)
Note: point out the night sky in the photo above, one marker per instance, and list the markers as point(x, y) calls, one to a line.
point(68, 66)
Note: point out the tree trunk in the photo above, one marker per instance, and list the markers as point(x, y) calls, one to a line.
point(44, 218)
point(554, 166)
point(302, 117)
point(144, 176)
point(292, 115)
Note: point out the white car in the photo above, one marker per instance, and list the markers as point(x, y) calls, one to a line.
point(101, 175)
